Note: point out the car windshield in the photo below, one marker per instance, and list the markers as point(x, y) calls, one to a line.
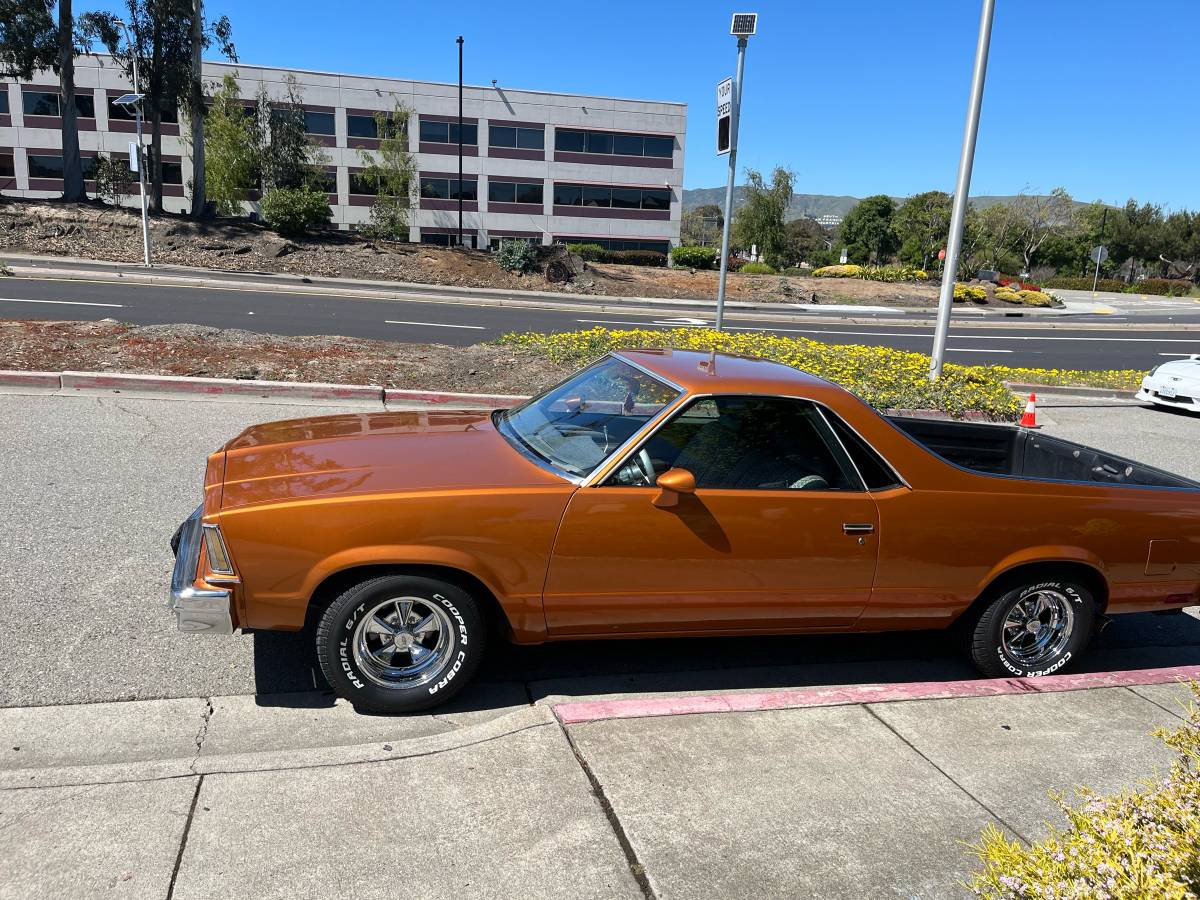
point(576, 425)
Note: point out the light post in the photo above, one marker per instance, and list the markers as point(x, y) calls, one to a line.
point(134, 102)
point(743, 25)
point(962, 188)
point(460, 126)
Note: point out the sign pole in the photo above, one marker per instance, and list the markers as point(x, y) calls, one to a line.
point(962, 188)
point(735, 114)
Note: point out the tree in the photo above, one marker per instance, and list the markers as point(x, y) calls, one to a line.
point(231, 157)
point(867, 230)
point(805, 239)
point(286, 157)
point(701, 227)
point(1037, 217)
point(164, 35)
point(393, 172)
point(922, 225)
point(759, 222)
point(998, 228)
point(30, 40)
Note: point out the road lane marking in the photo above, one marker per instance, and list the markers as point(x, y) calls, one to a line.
point(976, 350)
point(1176, 354)
point(63, 302)
point(435, 325)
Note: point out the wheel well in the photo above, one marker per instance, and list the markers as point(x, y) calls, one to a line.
point(339, 582)
point(1089, 576)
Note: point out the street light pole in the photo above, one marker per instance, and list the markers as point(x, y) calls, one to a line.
point(962, 188)
point(141, 165)
point(460, 127)
point(734, 117)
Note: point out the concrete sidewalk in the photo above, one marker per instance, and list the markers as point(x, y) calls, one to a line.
point(238, 797)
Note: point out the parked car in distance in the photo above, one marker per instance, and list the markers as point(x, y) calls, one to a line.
point(668, 493)
point(1175, 384)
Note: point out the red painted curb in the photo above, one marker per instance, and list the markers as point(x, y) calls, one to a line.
point(215, 387)
point(395, 395)
point(575, 713)
point(30, 379)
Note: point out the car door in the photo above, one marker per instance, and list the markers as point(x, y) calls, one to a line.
point(778, 535)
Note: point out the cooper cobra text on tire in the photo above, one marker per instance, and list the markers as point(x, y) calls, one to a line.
point(400, 643)
point(1037, 628)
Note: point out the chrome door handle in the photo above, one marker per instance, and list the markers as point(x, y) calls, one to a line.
point(857, 527)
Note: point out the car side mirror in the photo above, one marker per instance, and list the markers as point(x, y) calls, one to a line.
point(672, 483)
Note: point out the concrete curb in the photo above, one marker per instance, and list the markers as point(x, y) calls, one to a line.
point(584, 711)
point(232, 388)
point(1063, 390)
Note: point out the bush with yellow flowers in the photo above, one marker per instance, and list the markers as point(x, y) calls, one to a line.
point(1136, 844)
point(873, 273)
point(1116, 379)
point(969, 292)
point(883, 377)
point(842, 271)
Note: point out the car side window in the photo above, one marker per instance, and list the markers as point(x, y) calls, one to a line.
point(875, 471)
point(745, 443)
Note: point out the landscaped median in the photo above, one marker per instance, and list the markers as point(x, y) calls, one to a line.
point(515, 365)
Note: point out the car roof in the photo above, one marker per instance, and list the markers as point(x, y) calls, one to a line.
point(703, 372)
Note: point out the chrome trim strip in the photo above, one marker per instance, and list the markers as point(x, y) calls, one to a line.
point(197, 610)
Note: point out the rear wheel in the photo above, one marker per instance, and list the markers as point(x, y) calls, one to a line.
point(400, 643)
point(1035, 629)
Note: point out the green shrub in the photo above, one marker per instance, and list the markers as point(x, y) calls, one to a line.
point(969, 292)
point(590, 252)
point(516, 256)
point(638, 257)
point(1139, 843)
point(796, 271)
point(1080, 283)
point(892, 274)
point(1161, 287)
point(839, 271)
point(757, 268)
point(694, 257)
point(293, 211)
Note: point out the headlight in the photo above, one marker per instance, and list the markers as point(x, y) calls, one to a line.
point(1155, 369)
point(214, 549)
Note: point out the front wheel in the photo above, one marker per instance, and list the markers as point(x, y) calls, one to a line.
point(400, 643)
point(1035, 629)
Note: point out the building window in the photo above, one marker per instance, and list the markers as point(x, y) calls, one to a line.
point(88, 164)
point(512, 192)
point(361, 126)
point(364, 185)
point(170, 116)
point(615, 197)
point(39, 103)
point(447, 133)
point(6, 165)
point(45, 166)
point(4, 100)
point(326, 181)
point(172, 173)
point(494, 242)
point(613, 143)
point(318, 122)
point(447, 188)
point(518, 138)
point(442, 240)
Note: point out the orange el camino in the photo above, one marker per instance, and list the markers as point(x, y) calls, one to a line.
point(668, 493)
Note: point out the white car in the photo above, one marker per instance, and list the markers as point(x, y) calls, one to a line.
point(1175, 383)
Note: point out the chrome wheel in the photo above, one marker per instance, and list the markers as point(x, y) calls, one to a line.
point(403, 642)
point(1038, 628)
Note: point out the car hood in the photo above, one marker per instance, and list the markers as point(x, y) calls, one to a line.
point(1180, 370)
point(373, 453)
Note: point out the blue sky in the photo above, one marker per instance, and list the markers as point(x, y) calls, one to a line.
point(856, 96)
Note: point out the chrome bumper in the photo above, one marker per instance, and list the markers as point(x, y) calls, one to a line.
point(197, 610)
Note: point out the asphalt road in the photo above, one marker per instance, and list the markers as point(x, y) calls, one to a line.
point(93, 487)
point(1071, 343)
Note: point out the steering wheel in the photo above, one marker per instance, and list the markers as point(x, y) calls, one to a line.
point(646, 465)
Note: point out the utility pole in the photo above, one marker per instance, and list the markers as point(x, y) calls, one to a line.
point(460, 129)
point(744, 25)
point(962, 188)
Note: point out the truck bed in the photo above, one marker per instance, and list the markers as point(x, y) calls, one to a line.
point(1009, 450)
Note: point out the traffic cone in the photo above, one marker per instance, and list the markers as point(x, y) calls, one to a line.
point(1029, 418)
